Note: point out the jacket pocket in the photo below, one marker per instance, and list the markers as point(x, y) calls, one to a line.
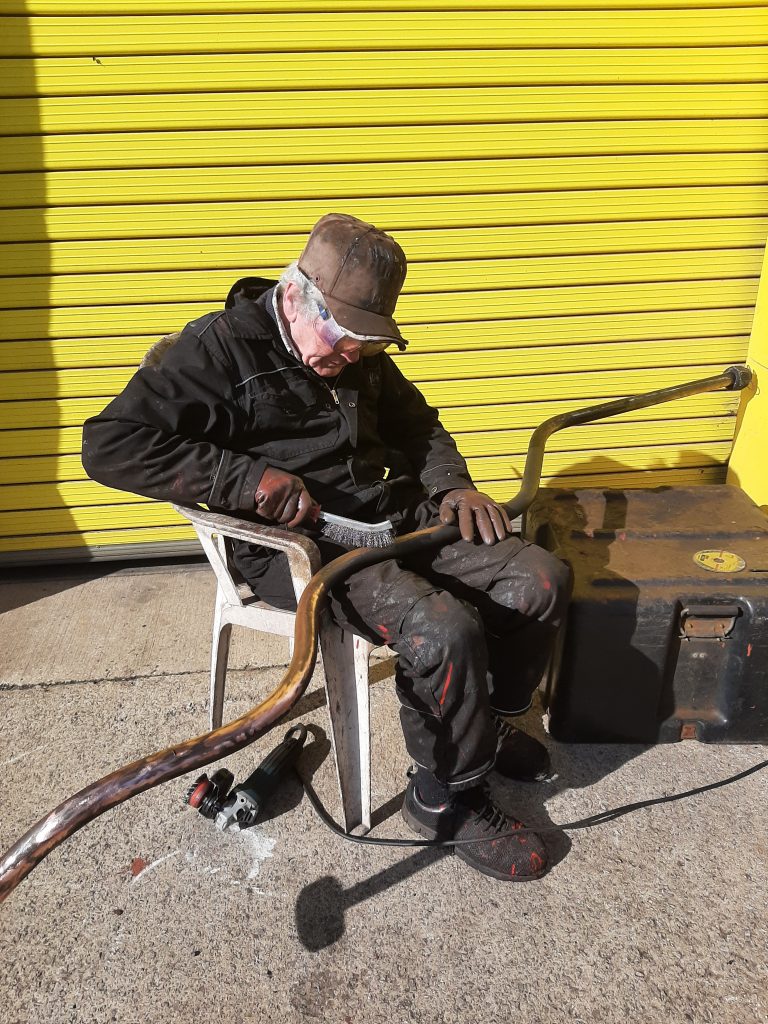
point(287, 426)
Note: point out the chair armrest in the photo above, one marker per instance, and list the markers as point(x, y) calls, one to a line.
point(293, 544)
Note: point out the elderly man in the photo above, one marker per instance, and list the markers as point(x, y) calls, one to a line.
point(285, 401)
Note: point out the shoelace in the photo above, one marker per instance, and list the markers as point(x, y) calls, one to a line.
point(504, 730)
point(496, 819)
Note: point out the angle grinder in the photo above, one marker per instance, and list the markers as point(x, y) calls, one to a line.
point(239, 808)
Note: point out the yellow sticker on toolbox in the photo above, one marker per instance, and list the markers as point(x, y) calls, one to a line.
point(719, 561)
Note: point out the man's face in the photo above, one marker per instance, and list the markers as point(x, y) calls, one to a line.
point(315, 353)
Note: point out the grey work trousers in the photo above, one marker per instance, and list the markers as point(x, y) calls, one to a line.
point(473, 626)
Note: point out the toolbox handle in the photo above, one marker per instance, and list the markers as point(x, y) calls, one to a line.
point(708, 621)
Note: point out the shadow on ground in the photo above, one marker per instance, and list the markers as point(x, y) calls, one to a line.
point(27, 584)
point(322, 904)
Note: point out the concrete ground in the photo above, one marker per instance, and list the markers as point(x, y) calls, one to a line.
point(150, 915)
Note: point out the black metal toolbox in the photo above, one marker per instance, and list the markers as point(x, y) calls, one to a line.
point(667, 632)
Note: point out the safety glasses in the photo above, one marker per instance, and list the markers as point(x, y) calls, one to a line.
point(332, 333)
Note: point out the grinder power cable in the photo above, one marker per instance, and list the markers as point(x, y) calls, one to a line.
point(178, 759)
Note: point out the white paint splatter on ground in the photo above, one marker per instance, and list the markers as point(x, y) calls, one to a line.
point(154, 864)
point(25, 753)
point(259, 846)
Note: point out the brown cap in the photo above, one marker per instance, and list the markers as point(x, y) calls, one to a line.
point(360, 271)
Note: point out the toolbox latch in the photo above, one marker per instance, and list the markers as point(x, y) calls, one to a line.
point(708, 621)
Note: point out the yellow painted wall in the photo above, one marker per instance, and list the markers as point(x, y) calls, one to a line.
point(581, 188)
point(748, 465)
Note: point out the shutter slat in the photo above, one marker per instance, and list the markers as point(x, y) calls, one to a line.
point(181, 73)
point(203, 184)
point(199, 220)
point(47, 36)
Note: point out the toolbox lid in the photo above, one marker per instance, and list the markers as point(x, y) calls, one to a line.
point(624, 536)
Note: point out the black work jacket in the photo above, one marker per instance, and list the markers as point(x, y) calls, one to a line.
point(228, 399)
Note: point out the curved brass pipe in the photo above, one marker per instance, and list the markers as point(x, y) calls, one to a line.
point(195, 753)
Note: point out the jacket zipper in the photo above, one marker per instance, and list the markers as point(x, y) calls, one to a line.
point(333, 389)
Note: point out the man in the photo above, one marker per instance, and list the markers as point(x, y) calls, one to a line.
point(285, 401)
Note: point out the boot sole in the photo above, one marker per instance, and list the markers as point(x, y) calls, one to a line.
point(417, 826)
point(426, 832)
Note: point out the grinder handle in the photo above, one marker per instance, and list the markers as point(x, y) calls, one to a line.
point(265, 778)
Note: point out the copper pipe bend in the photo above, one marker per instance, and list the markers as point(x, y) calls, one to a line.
point(181, 758)
point(185, 757)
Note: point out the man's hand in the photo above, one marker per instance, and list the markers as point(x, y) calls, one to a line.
point(283, 497)
point(475, 509)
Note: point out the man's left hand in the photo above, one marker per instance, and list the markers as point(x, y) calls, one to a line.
point(475, 511)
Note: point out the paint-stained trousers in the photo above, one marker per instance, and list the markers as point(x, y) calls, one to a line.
point(473, 626)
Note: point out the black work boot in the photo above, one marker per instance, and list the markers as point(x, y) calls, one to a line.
point(519, 756)
point(472, 815)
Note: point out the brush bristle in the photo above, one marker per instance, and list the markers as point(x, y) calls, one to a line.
point(350, 537)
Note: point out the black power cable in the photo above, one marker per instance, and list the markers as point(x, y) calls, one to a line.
point(570, 826)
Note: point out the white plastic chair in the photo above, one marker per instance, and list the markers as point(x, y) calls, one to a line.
point(345, 655)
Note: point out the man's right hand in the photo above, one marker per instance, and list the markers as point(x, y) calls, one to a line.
point(283, 498)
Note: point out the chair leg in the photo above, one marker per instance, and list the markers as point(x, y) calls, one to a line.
point(345, 666)
point(362, 659)
point(222, 631)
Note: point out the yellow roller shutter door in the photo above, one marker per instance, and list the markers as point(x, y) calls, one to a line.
point(581, 189)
